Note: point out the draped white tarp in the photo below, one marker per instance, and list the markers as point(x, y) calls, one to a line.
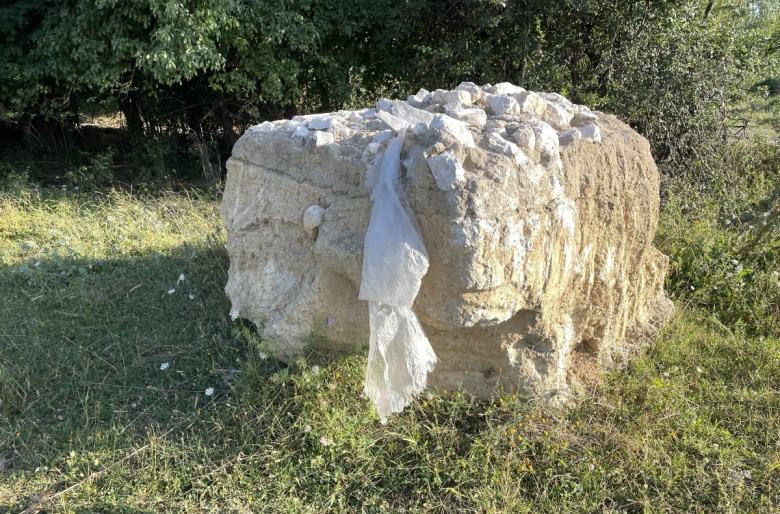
point(394, 262)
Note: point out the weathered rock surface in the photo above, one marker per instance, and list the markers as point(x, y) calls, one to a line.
point(537, 215)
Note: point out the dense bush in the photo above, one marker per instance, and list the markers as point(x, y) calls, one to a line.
point(205, 69)
point(203, 66)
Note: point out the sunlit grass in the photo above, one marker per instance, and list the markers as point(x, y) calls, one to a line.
point(93, 303)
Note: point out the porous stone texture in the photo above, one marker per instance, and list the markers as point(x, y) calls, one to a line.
point(537, 215)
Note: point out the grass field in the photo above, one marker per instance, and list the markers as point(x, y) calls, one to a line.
point(126, 388)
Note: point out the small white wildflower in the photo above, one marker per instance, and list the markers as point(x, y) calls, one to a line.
point(171, 291)
point(307, 429)
point(699, 370)
point(209, 391)
point(164, 366)
point(326, 441)
point(666, 373)
point(191, 296)
point(37, 264)
point(234, 314)
point(315, 370)
point(262, 355)
point(181, 278)
point(592, 467)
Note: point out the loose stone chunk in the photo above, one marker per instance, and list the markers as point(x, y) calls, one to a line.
point(446, 170)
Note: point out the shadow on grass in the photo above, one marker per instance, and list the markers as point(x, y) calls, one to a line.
point(98, 357)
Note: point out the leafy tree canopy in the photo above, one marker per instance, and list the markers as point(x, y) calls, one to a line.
point(669, 67)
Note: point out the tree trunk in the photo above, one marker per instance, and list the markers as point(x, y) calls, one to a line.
point(128, 104)
point(228, 127)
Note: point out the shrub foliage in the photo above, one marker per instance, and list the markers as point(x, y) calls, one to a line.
point(206, 67)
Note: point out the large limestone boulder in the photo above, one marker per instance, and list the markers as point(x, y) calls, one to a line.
point(537, 215)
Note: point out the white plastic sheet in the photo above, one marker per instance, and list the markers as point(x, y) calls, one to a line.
point(394, 262)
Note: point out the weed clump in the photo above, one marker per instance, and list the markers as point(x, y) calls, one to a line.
point(722, 239)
